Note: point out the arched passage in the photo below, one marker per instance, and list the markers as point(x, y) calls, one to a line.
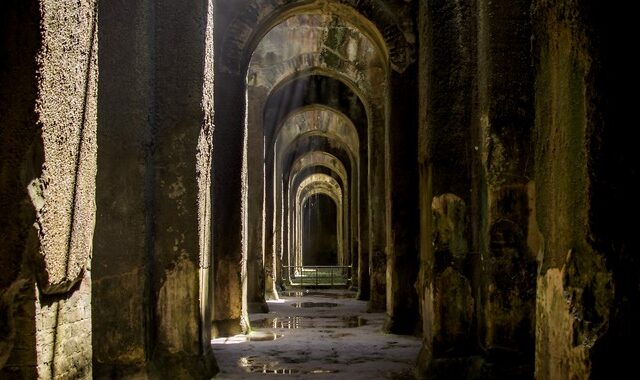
point(333, 49)
point(319, 231)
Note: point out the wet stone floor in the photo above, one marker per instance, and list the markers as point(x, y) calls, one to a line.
point(317, 335)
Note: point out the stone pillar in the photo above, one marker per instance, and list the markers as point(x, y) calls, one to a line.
point(151, 248)
point(48, 96)
point(184, 88)
point(446, 77)
point(363, 269)
point(586, 177)
point(402, 259)
point(378, 209)
point(122, 250)
point(509, 234)
point(230, 310)
point(255, 166)
point(271, 292)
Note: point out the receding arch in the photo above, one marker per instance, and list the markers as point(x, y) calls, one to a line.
point(255, 18)
point(309, 186)
point(310, 89)
point(348, 224)
point(317, 120)
point(319, 230)
point(308, 121)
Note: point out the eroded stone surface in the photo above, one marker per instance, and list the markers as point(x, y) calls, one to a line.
point(66, 108)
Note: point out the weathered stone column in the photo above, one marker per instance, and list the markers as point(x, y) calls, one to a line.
point(446, 77)
point(378, 209)
point(586, 179)
point(183, 114)
point(508, 234)
point(230, 265)
point(363, 269)
point(402, 259)
point(271, 292)
point(48, 126)
point(123, 242)
point(256, 98)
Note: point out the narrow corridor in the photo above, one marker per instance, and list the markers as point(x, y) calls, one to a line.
point(317, 334)
point(468, 169)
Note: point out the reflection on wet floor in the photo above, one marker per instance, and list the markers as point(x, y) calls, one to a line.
point(313, 304)
point(262, 336)
point(310, 332)
point(309, 293)
point(309, 322)
point(255, 364)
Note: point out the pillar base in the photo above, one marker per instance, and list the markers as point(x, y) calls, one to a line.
point(258, 307)
point(471, 367)
point(402, 323)
point(164, 366)
point(272, 295)
point(226, 327)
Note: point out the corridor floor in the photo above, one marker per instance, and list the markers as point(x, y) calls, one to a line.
point(317, 334)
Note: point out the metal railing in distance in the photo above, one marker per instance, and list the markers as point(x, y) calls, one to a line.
point(317, 275)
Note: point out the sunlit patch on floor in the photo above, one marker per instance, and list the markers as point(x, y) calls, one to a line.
point(230, 340)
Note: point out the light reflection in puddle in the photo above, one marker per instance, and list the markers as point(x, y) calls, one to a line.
point(309, 322)
point(254, 336)
point(313, 304)
point(305, 293)
point(254, 364)
point(331, 295)
point(292, 293)
point(261, 336)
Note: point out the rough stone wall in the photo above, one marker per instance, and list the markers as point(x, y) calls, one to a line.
point(586, 181)
point(48, 179)
point(66, 108)
point(63, 334)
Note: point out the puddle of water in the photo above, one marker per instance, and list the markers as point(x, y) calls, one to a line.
point(313, 304)
point(292, 293)
point(331, 295)
point(254, 364)
point(353, 321)
point(261, 336)
point(309, 322)
point(303, 293)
